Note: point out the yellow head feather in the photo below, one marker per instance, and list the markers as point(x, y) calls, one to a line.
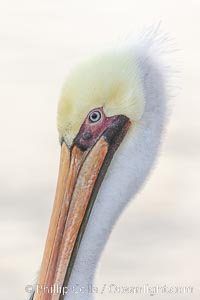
point(111, 81)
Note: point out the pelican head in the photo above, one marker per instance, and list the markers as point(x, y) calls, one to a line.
point(109, 85)
point(101, 107)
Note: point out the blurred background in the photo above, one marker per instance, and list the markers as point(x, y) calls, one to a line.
point(156, 240)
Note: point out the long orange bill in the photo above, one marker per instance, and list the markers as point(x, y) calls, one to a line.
point(80, 176)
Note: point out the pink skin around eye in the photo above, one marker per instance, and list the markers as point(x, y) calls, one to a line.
point(91, 131)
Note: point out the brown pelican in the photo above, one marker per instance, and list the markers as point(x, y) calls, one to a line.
point(111, 116)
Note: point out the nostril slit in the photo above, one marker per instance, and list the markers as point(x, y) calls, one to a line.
point(87, 136)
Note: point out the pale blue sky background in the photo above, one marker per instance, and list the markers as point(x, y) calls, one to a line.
point(157, 238)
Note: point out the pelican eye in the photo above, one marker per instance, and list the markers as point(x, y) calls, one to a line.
point(95, 116)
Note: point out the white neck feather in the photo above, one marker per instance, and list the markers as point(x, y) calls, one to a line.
point(127, 172)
